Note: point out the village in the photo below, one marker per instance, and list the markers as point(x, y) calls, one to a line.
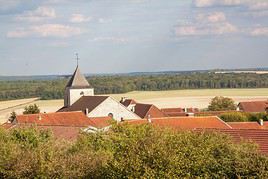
point(85, 112)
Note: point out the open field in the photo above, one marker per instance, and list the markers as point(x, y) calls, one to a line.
point(162, 99)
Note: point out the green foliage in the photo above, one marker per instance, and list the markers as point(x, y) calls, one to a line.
point(30, 137)
point(31, 109)
point(257, 116)
point(54, 89)
point(243, 117)
point(128, 152)
point(12, 116)
point(220, 103)
point(234, 117)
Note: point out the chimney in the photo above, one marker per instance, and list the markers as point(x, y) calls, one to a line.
point(149, 118)
point(261, 122)
point(87, 111)
point(123, 99)
point(133, 109)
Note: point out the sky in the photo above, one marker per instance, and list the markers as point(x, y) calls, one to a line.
point(41, 37)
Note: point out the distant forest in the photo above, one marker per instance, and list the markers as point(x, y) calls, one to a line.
point(111, 84)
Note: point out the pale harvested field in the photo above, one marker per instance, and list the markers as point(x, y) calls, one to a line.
point(162, 99)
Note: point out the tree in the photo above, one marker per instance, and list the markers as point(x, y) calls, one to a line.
point(220, 103)
point(12, 117)
point(31, 109)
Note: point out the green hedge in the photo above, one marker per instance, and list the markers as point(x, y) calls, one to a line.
point(243, 117)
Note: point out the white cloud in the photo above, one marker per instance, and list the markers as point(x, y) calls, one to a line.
point(213, 17)
point(45, 30)
point(39, 14)
point(250, 4)
point(209, 3)
point(260, 31)
point(79, 18)
point(110, 39)
point(207, 24)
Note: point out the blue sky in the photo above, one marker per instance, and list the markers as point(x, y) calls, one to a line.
point(39, 37)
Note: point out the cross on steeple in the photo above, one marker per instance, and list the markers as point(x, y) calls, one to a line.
point(77, 59)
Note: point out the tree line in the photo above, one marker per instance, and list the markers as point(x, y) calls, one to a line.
point(54, 89)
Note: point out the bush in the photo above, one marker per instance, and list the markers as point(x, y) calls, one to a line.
point(31, 109)
point(257, 116)
point(234, 117)
point(129, 152)
point(220, 103)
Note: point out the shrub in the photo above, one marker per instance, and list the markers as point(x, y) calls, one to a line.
point(234, 117)
point(31, 109)
point(220, 103)
point(257, 116)
point(128, 152)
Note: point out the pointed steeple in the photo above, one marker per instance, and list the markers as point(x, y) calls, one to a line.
point(78, 80)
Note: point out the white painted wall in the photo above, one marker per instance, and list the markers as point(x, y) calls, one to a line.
point(72, 95)
point(112, 106)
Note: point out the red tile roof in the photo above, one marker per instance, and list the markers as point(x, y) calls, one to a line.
point(146, 110)
point(66, 125)
point(128, 102)
point(248, 125)
point(186, 123)
point(172, 110)
point(76, 119)
point(253, 106)
point(192, 110)
point(70, 119)
point(257, 136)
point(7, 125)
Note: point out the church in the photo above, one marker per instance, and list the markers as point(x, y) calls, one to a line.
point(79, 96)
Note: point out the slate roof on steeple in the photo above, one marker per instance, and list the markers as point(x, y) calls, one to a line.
point(78, 80)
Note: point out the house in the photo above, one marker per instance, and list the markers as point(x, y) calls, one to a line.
point(79, 96)
point(129, 103)
point(175, 112)
point(253, 106)
point(147, 111)
point(66, 125)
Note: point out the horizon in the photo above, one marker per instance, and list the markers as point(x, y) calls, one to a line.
point(147, 72)
point(131, 36)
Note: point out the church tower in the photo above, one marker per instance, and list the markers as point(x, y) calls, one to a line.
point(77, 87)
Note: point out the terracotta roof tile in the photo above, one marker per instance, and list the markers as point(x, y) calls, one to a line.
point(248, 125)
point(186, 123)
point(70, 119)
point(257, 136)
point(7, 125)
point(253, 106)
